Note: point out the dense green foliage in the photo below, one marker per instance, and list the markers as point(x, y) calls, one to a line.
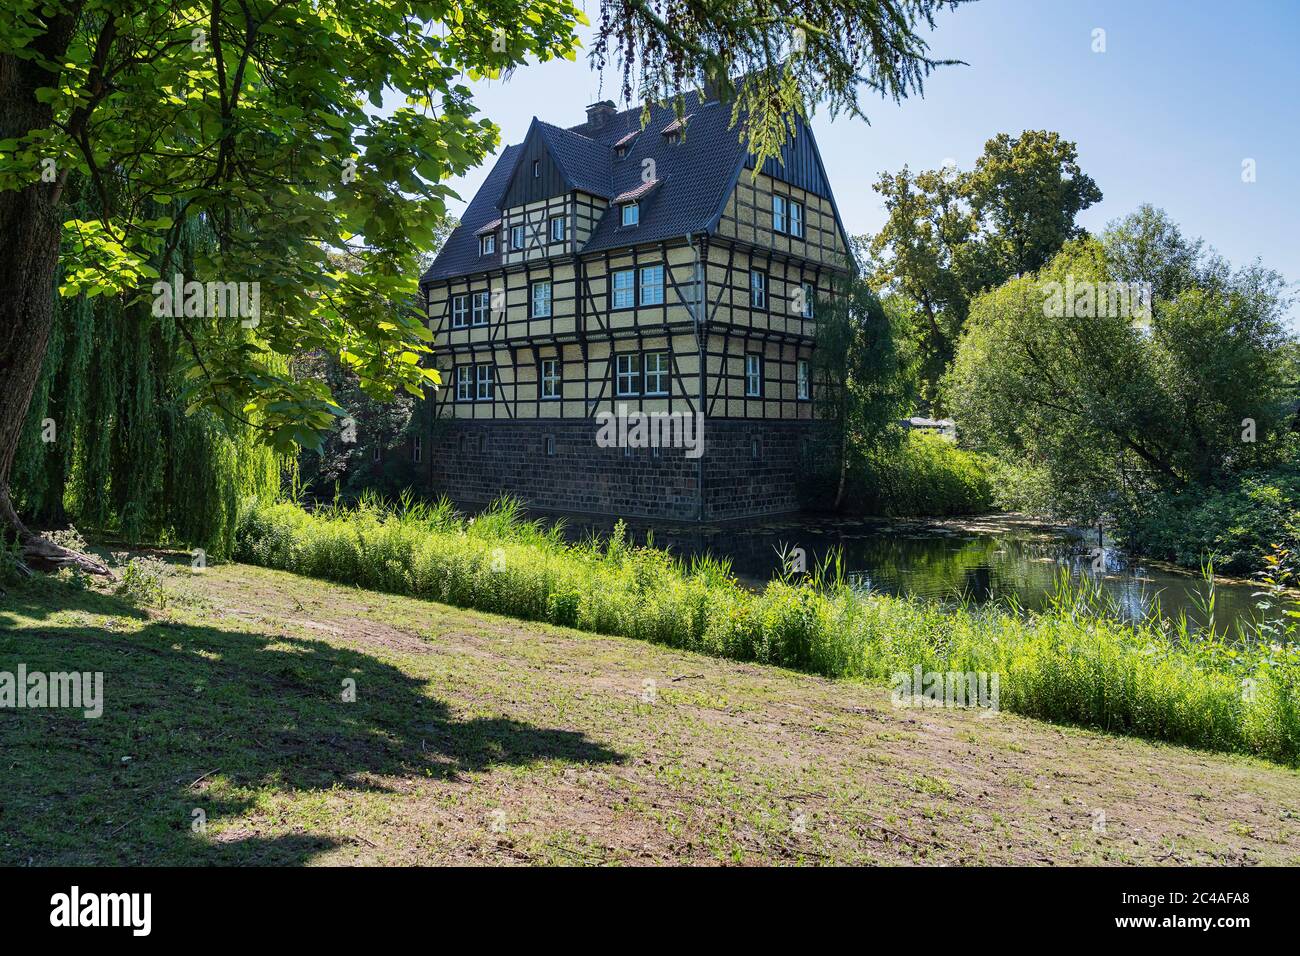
point(1152, 414)
point(920, 475)
point(124, 455)
point(1066, 664)
point(863, 383)
point(951, 234)
point(1238, 526)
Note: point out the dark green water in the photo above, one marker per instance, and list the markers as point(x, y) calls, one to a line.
point(1000, 558)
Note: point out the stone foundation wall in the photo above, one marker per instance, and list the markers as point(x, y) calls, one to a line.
point(475, 462)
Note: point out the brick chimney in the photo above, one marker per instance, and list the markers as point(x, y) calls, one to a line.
point(598, 114)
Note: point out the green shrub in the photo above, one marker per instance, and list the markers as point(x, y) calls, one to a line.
point(925, 474)
point(1073, 663)
point(1235, 526)
point(141, 581)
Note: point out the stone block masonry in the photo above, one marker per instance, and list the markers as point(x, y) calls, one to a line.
point(750, 468)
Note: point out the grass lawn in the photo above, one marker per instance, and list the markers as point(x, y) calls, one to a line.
point(479, 739)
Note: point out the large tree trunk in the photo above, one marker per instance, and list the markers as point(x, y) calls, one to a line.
point(29, 257)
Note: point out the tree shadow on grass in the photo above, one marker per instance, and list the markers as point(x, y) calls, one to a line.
point(186, 707)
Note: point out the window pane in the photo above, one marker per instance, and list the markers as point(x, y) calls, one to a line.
point(796, 219)
point(656, 373)
point(624, 289)
point(631, 214)
point(652, 285)
point(757, 289)
point(778, 214)
point(541, 300)
point(550, 378)
point(628, 368)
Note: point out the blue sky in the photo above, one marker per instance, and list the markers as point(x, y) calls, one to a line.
point(1184, 92)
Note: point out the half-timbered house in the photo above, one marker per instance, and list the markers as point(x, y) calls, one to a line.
point(613, 268)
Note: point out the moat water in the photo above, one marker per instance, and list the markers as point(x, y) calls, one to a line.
point(1001, 558)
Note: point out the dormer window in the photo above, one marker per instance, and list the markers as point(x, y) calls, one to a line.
point(624, 144)
point(673, 131)
point(487, 244)
point(631, 214)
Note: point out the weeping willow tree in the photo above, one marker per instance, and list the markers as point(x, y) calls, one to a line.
point(108, 442)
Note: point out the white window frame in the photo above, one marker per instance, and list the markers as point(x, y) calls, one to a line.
point(518, 237)
point(460, 310)
point(633, 208)
point(657, 283)
point(809, 299)
point(627, 374)
point(549, 379)
point(479, 308)
point(753, 375)
point(778, 213)
point(563, 223)
point(803, 379)
point(534, 312)
point(485, 382)
point(464, 383)
point(796, 218)
point(758, 289)
point(487, 244)
point(622, 289)
point(661, 373)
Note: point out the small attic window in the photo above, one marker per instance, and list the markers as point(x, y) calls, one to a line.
point(487, 244)
point(624, 144)
point(631, 213)
point(537, 169)
point(673, 131)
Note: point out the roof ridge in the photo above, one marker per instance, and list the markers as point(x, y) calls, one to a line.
point(571, 130)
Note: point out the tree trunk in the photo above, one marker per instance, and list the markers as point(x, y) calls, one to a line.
point(30, 229)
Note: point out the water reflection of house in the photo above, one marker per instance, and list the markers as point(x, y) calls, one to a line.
point(942, 426)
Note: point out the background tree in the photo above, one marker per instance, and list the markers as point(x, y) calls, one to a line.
point(952, 234)
point(1113, 409)
point(862, 374)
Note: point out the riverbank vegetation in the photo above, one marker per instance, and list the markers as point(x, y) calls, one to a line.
point(921, 474)
point(1073, 663)
point(1172, 420)
point(1132, 378)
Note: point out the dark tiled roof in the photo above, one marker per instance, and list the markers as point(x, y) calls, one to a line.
point(694, 176)
point(586, 164)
